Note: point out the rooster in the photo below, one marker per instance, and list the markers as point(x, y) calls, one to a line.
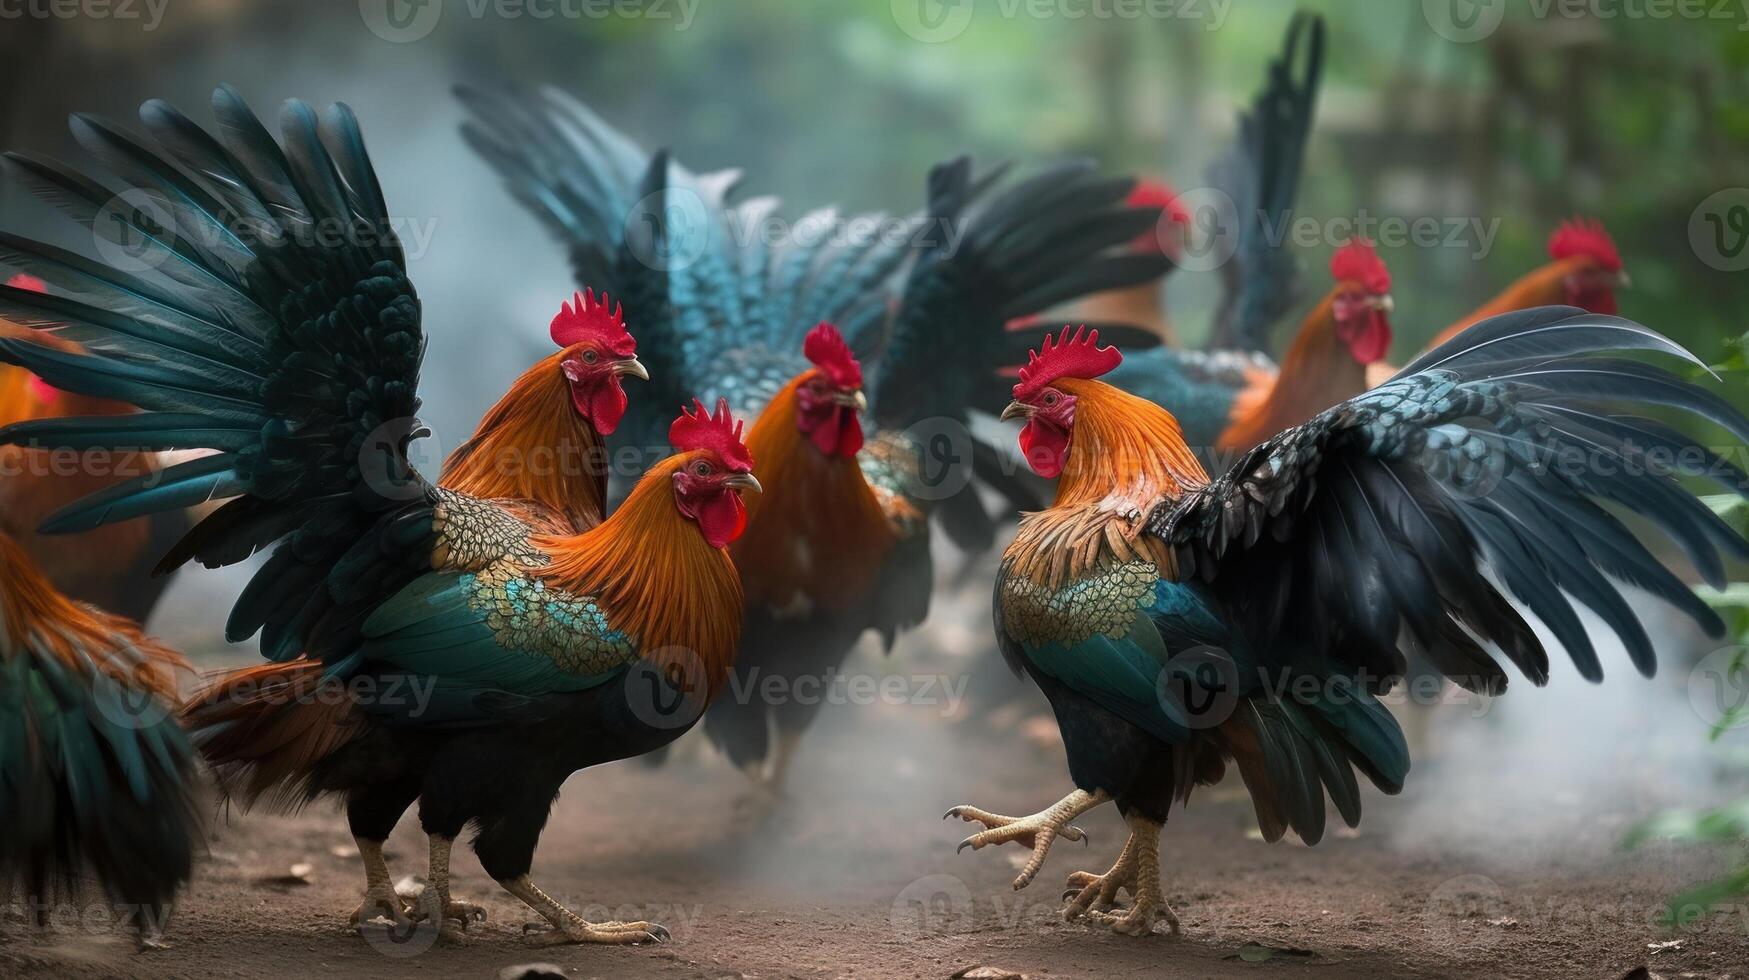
point(1585, 271)
point(110, 568)
point(1178, 625)
point(1232, 393)
point(425, 644)
point(1231, 404)
point(853, 353)
point(96, 777)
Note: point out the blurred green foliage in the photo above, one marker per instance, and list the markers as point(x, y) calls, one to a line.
point(1634, 121)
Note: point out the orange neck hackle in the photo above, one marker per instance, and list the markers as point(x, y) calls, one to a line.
point(1123, 446)
point(1125, 456)
point(534, 446)
point(1317, 372)
point(33, 616)
point(818, 532)
point(1546, 285)
point(651, 571)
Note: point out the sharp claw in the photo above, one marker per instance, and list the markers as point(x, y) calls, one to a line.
point(951, 814)
point(963, 845)
point(661, 933)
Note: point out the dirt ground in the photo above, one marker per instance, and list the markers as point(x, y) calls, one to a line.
point(859, 878)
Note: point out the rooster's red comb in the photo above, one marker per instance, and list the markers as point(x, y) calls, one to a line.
point(826, 349)
point(1154, 194)
point(25, 280)
point(717, 432)
point(1358, 262)
point(584, 319)
point(1585, 236)
point(1070, 355)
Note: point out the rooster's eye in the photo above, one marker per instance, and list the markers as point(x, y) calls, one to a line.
point(588, 357)
point(701, 468)
point(1050, 398)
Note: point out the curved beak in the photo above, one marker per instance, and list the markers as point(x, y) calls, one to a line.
point(743, 481)
point(851, 399)
point(1016, 410)
point(631, 366)
point(1384, 304)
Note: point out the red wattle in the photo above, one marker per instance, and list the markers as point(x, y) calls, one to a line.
point(1601, 301)
point(604, 405)
point(1044, 447)
point(837, 434)
point(1373, 340)
point(722, 518)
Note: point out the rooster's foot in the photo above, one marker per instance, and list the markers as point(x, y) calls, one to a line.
point(568, 927)
point(1098, 893)
point(1137, 870)
point(609, 933)
point(1140, 920)
point(1036, 832)
point(380, 902)
point(452, 915)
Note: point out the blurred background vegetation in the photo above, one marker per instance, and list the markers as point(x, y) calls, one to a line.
point(1634, 120)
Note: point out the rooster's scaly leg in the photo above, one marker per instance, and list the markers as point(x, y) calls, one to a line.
point(1149, 907)
point(380, 900)
point(569, 927)
point(435, 904)
point(1036, 832)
